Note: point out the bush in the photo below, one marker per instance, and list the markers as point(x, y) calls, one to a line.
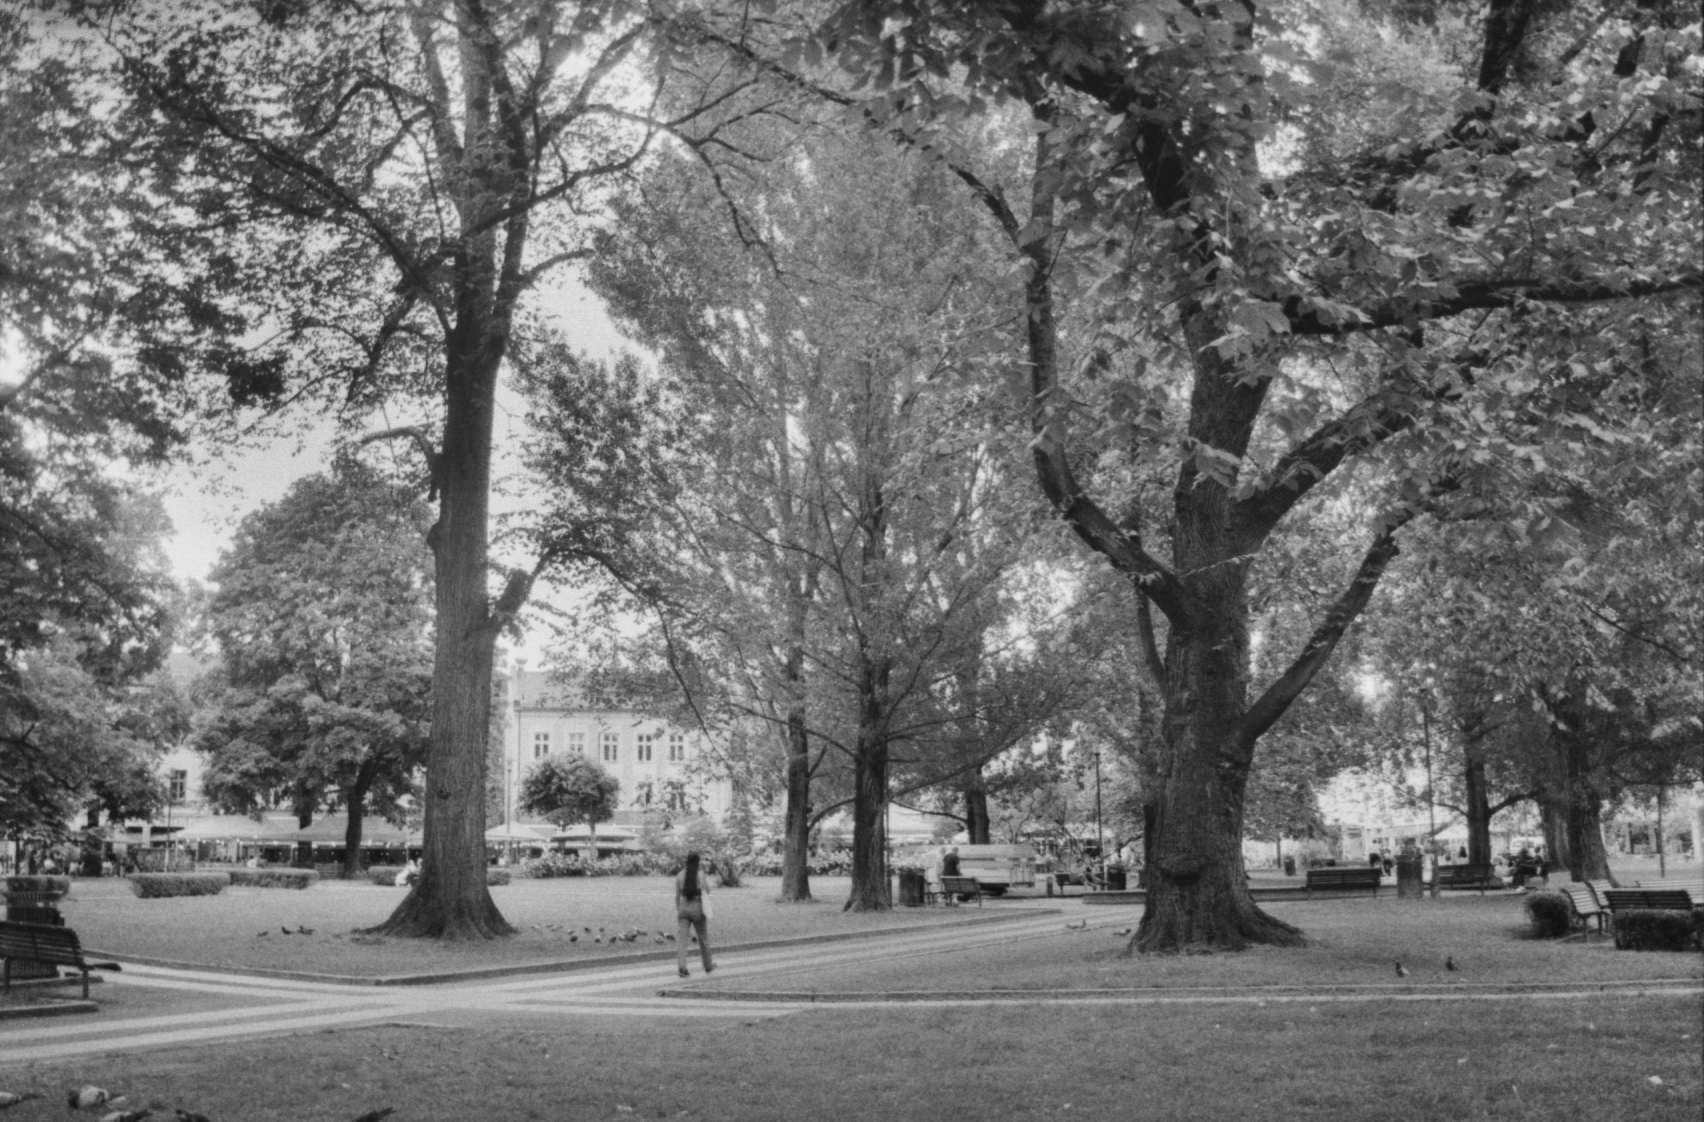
point(574, 865)
point(1654, 929)
point(52, 887)
point(496, 877)
point(273, 878)
point(383, 874)
point(153, 886)
point(1551, 913)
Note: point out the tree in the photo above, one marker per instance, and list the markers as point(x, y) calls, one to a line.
point(365, 199)
point(843, 526)
point(1417, 244)
point(323, 621)
point(569, 789)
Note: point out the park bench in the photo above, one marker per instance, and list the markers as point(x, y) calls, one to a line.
point(954, 887)
point(53, 946)
point(1693, 888)
point(1349, 876)
point(1662, 899)
point(1587, 905)
point(1466, 876)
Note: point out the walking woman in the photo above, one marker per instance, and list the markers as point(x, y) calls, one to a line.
point(692, 911)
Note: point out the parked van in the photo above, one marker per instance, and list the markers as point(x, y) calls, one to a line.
point(995, 867)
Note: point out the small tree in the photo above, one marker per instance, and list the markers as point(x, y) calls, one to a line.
point(570, 789)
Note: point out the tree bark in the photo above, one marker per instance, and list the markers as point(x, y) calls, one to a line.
point(871, 890)
point(796, 843)
point(977, 826)
point(355, 805)
point(451, 899)
point(1581, 809)
point(1477, 810)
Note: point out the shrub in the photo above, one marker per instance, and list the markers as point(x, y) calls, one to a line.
point(45, 885)
point(383, 874)
point(496, 877)
point(273, 878)
point(152, 886)
point(1653, 929)
point(1551, 913)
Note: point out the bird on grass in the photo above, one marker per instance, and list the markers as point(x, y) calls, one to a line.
point(573, 936)
point(1401, 970)
point(91, 1097)
point(668, 937)
point(8, 1100)
point(304, 930)
point(126, 1116)
point(376, 1115)
point(1449, 964)
point(286, 931)
point(1079, 925)
point(1122, 932)
point(191, 1116)
point(261, 934)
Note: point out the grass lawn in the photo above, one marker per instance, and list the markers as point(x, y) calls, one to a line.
point(224, 930)
point(1605, 1058)
point(1546, 1061)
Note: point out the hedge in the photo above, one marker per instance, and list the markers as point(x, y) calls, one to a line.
point(45, 884)
point(1653, 929)
point(1551, 913)
point(151, 886)
point(274, 878)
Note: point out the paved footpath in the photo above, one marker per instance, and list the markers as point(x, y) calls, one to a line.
point(218, 1007)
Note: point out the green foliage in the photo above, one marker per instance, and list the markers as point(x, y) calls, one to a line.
point(567, 789)
point(274, 878)
point(1654, 929)
point(617, 865)
point(1551, 914)
point(322, 617)
point(497, 877)
point(40, 884)
point(153, 886)
point(384, 875)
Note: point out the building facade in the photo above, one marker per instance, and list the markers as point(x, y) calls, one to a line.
point(662, 767)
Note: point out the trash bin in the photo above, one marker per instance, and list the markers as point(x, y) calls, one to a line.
point(911, 888)
point(34, 900)
point(1115, 878)
point(1289, 866)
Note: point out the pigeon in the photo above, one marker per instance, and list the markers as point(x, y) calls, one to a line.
point(1401, 970)
point(376, 1115)
point(261, 934)
point(286, 931)
point(573, 936)
point(9, 1100)
point(668, 937)
point(1122, 932)
point(91, 1097)
point(304, 931)
point(1082, 923)
point(1449, 964)
point(191, 1116)
point(658, 939)
point(126, 1116)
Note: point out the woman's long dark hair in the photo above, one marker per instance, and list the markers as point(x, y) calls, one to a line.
point(689, 884)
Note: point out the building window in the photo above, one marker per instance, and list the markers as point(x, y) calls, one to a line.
point(677, 747)
point(642, 752)
point(611, 746)
point(178, 785)
point(577, 743)
point(541, 745)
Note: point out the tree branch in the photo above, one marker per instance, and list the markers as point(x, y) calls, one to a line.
point(1283, 692)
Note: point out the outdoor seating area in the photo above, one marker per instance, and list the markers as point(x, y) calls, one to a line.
point(1480, 877)
point(1346, 878)
point(46, 945)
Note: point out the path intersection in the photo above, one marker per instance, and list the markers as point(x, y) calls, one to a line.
point(190, 1006)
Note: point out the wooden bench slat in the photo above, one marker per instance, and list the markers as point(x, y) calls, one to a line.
point(44, 943)
point(1348, 876)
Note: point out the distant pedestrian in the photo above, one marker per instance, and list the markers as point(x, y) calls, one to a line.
point(692, 913)
point(950, 863)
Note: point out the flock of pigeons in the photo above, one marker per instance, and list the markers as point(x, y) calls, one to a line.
point(1401, 970)
point(111, 1107)
point(602, 935)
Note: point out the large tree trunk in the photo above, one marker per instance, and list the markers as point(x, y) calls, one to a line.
point(796, 843)
point(871, 890)
point(1581, 808)
point(355, 805)
point(977, 827)
point(1197, 891)
point(1478, 811)
point(451, 900)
